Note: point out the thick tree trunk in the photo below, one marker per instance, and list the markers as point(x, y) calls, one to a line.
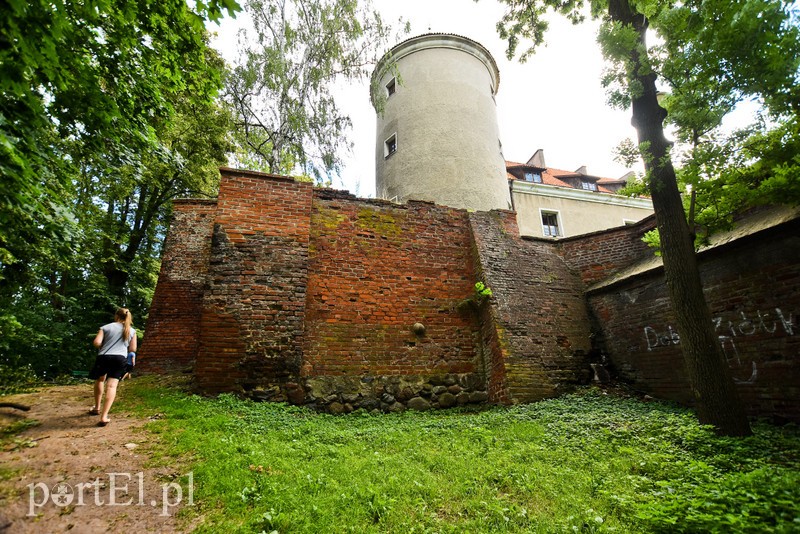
point(117, 282)
point(712, 385)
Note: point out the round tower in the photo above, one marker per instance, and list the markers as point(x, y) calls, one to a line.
point(437, 135)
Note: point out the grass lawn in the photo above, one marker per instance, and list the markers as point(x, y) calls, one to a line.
point(587, 462)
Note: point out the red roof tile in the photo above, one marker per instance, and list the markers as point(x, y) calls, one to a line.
point(555, 177)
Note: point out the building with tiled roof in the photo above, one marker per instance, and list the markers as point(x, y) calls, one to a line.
point(555, 203)
point(437, 140)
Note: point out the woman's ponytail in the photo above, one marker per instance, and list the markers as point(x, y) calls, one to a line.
point(123, 315)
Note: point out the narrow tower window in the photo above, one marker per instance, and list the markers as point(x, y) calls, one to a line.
point(390, 146)
point(391, 87)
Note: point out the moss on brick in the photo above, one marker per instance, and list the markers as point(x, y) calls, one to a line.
point(380, 223)
point(326, 217)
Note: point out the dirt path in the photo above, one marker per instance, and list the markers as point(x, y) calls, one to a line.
point(67, 474)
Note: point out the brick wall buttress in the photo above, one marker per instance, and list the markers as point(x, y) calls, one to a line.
point(254, 305)
point(178, 295)
point(539, 342)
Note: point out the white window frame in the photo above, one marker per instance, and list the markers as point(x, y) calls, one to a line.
point(533, 176)
point(389, 142)
point(559, 222)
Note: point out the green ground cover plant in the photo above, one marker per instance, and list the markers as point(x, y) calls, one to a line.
point(586, 462)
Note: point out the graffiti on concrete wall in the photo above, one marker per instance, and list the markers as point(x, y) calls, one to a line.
point(771, 323)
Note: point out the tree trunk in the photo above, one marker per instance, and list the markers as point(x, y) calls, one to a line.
point(117, 282)
point(716, 398)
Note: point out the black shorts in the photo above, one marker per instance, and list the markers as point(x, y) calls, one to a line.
point(112, 366)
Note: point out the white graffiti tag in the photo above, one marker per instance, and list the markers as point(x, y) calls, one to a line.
point(728, 331)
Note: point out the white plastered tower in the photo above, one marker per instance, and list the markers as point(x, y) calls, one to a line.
point(437, 134)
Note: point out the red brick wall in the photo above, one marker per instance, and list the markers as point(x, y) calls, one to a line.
point(254, 304)
point(753, 290)
point(375, 270)
point(541, 339)
point(597, 255)
point(289, 293)
point(311, 297)
point(178, 296)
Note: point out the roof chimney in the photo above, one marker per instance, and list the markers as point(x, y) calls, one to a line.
point(582, 170)
point(537, 160)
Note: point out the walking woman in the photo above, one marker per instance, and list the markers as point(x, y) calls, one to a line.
point(113, 342)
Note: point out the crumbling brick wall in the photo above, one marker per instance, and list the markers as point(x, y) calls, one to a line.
point(317, 297)
point(254, 305)
point(284, 292)
point(175, 312)
point(542, 338)
point(376, 270)
point(597, 255)
point(752, 286)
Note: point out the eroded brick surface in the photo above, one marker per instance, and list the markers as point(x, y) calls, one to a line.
point(542, 337)
point(753, 291)
point(172, 333)
point(283, 292)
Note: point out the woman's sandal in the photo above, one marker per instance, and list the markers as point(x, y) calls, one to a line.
point(103, 423)
point(94, 411)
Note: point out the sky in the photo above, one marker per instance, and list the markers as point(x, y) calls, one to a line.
point(554, 101)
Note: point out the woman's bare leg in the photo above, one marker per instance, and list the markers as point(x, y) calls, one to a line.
point(98, 392)
point(111, 394)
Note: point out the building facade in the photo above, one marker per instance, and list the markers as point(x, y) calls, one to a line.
point(554, 203)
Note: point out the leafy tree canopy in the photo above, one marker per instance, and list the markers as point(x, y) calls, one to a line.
point(286, 117)
point(107, 113)
point(706, 47)
point(95, 74)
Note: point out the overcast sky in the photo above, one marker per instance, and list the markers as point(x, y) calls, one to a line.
point(553, 102)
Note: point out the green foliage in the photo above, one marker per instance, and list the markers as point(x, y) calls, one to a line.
point(710, 57)
point(287, 120)
point(626, 153)
point(715, 56)
point(528, 21)
point(93, 74)
point(482, 291)
point(653, 240)
point(16, 379)
point(587, 462)
point(107, 114)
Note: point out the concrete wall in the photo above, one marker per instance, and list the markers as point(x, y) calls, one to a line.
point(579, 212)
point(444, 118)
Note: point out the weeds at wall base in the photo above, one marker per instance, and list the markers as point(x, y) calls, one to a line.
point(589, 461)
